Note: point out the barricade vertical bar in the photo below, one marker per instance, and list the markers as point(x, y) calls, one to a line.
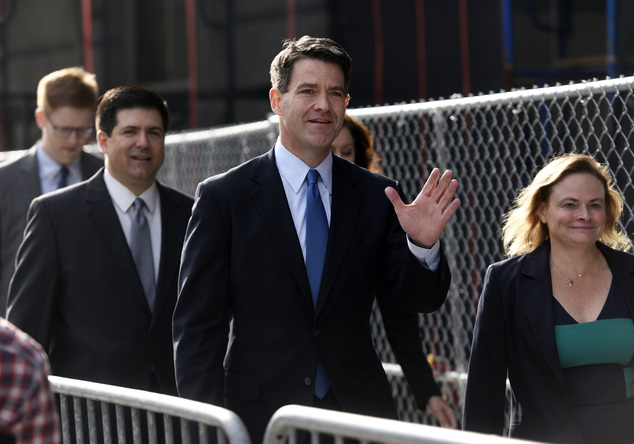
point(169, 429)
point(79, 426)
point(136, 425)
point(185, 431)
point(151, 427)
point(202, 435)
point(92, 422)
point(105, 421)
point(65, 420)
point(220, 436)
point(120, 423)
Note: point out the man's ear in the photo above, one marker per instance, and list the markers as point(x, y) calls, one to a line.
point(40, 117)
point(102, 139)
point(275, 96)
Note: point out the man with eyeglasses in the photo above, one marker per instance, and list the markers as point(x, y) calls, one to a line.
point(66, 101)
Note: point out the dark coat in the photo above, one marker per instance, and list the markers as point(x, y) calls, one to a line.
point(242, 263)
point(76, 290)
point(515, 332)
point(19, 185)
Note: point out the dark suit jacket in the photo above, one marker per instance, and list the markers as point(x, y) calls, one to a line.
point(242, 263)
point(76, 290)
point(19, 185)
point(515, 332)
point(403, 334)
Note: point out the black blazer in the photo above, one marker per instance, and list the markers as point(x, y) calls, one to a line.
point(19, 185)
point(515, 332)
point(404, 336)
point(76, 290)
point(242, 264)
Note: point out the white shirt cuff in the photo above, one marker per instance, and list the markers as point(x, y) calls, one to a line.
point(428, 257)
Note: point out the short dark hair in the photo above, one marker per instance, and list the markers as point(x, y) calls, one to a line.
point(128, 97)
point(308, 47)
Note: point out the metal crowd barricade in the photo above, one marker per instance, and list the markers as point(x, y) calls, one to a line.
point(88, 398)
point(290, 419)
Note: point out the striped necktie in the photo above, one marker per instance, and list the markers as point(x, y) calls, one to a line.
point(141, 248)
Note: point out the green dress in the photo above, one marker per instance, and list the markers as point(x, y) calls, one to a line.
point(597, 359)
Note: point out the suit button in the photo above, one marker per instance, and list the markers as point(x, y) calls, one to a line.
point(316, 332)
point(308, 380)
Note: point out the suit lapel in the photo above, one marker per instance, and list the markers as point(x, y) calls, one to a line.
point(102, 214)
point(622, 268)
point(30, 176)
point(536, 298)
point(343, 222)
point(171, 245)
point(268, 196)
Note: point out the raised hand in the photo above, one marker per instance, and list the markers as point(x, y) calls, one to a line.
point(426, 217)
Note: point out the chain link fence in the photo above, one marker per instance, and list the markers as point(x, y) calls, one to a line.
point(493, 144)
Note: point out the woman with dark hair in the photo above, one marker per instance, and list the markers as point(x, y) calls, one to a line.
point(356, 144)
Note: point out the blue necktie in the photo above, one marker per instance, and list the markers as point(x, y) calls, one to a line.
point(63, 177)
point(316, 242)
point(141, 248)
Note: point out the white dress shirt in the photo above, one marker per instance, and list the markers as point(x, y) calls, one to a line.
point(123, 200)
point(293, 172)
point(50, 170)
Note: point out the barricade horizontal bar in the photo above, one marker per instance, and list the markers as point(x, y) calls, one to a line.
point(340, 425)
point(186, 409)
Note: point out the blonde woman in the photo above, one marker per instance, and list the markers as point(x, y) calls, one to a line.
point(556, 317)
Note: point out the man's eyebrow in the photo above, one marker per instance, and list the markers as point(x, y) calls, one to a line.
point(314, 85)
point(306, 85)
point(136, 127)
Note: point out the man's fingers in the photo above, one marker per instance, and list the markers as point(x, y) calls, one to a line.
point(444, 184)
point(449, 194)
point(394, 197)
point(450, 210)
point(430, 183)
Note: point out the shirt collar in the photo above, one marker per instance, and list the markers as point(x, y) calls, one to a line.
point(294, 170)
point(49, 167)
point(123, 198)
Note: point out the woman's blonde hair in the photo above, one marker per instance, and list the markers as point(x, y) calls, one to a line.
point(523, 231)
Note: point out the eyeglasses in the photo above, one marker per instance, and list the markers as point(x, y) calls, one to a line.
point(82, 132)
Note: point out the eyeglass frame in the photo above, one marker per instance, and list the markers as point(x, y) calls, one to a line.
point(66, 131)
